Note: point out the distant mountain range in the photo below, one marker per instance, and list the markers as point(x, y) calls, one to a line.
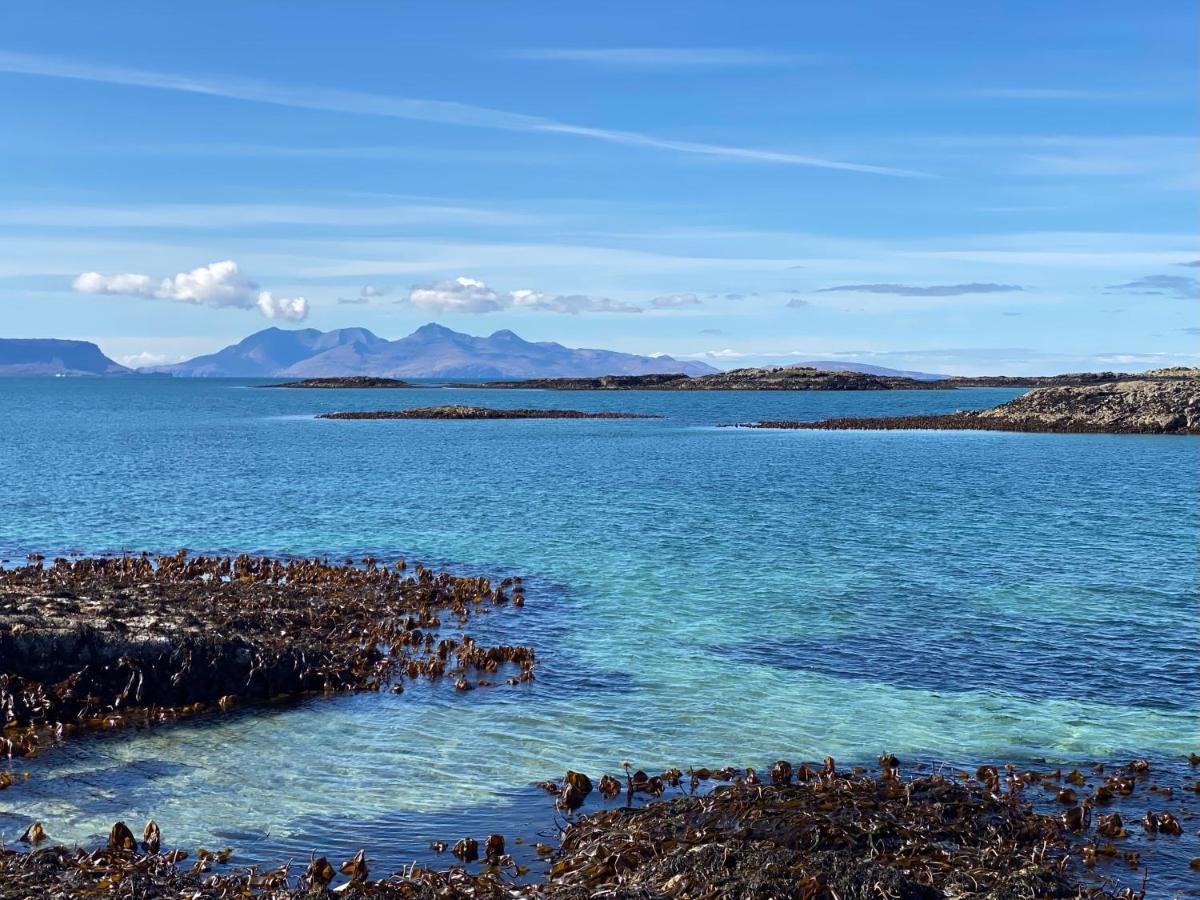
point(47, 356)
point(432, 351)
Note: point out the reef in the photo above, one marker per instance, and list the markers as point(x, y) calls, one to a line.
point(1132, 406)
point(347, 381)
point(107, 642)
point(483, 412)
point(810, 832)
point(801, 378)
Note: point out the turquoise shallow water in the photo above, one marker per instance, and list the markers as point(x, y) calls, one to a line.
point(696, 594)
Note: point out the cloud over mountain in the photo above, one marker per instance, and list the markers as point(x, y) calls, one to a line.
point(219, 284)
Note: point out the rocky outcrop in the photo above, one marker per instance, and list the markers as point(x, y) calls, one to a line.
point(482, 412)
point(1133, 406)
point(105, 642)
point(347, 382)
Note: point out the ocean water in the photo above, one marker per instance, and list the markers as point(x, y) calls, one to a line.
point(696, 595)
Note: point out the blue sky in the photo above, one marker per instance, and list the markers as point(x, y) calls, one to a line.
point(944, 186)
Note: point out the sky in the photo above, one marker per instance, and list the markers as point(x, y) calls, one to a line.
point(956, 188)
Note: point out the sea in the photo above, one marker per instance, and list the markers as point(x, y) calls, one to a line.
point(697, 595)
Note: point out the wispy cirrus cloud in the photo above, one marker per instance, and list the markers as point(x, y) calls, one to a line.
point(366, 294)
point(663, 57)
point(571, 304)
point(933, 290)
point(470, 295)
point(218, 285)
point(1182, 287)
point(676, 301)
point(382, 105)
point(1057, 93)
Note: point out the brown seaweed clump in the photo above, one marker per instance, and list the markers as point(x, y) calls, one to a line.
point(101, 643)
point(809, 834)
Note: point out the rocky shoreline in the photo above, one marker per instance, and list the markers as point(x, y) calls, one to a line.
point(1135, 406)
point(483, 412)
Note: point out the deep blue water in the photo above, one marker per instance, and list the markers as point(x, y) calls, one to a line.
point(697, 595)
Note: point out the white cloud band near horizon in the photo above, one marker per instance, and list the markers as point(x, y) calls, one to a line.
point(470, 295)
point(440, 111)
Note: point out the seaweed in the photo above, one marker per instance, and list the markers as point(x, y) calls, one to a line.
point(104, 643)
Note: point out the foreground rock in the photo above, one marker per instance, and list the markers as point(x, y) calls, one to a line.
point(1140, 406)
point(811, 833)
point(101, 643)
point(483, 412)
point(350, 381)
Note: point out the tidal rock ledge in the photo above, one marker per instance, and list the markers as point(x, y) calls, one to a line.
point(96, 643)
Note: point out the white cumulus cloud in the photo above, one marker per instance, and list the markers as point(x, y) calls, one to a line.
point(456, 295)
point(219, 284)
point(293, 309)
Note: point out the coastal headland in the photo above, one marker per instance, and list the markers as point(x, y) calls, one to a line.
point(1134, 406)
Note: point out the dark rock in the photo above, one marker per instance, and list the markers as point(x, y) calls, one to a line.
point(349, 381)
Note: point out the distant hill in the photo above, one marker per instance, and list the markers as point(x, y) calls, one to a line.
point(432, 351)
point(48, 356)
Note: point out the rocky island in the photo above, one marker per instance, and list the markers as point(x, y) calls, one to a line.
point(345, 382)
point(1130, 406)
point(482, 412)
point(805, 378)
